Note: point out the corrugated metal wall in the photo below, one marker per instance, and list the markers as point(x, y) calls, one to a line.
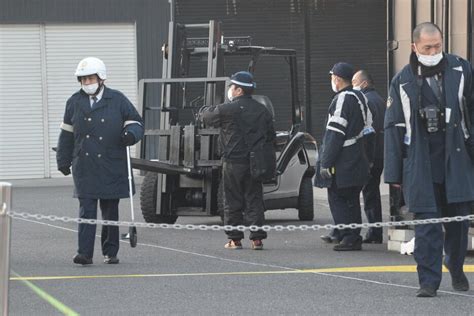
point(353, 31)
point(151, 18)
point(322, 31)
point(269, 23)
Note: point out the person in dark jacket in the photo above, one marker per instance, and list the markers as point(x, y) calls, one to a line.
point(344, 159)
point(363, 81)
point(98, 124)
point(241, 121)
point(429, 150)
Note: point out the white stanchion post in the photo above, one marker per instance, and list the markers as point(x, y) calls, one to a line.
point(5, 229)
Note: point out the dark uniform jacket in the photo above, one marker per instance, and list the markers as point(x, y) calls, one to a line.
point(343, 143)
point(377, 108)
point(241, 121)
point(90, 141)
point(411, 152)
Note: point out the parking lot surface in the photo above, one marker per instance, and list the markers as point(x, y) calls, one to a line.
point(188, 272)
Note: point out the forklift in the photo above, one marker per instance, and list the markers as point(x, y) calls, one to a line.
point(181, 157)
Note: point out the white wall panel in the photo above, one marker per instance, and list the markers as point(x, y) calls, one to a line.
point(21, 106)
point(37, 64)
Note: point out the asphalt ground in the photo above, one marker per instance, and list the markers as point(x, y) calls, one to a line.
point(183, 272)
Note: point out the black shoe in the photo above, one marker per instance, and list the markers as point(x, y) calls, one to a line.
point(329, 239)
point(459, 282)
point(111, 260)
point(346, 246)
point(426, 292)
point(372, 240)
point(81, 259)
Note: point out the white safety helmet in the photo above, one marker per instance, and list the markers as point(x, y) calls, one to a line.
point(91, 66)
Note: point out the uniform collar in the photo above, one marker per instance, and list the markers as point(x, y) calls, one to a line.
point(98, 97)
point(349, 87)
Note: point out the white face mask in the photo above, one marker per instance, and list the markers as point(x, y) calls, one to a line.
point(90, 88)
point(429, 60)
point(333, 86)
point(229, 94)
point(357, 88)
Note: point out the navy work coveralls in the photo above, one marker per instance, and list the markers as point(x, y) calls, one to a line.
point(240, 121)
point(371, 191)
point(90, 141)
point(344, 148)
point(434, 169)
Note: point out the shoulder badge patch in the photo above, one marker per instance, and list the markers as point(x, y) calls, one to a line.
point(389, 101)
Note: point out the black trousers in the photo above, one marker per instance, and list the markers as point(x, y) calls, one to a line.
point(110, 234)
point(372, 202)
point(344, 204)
point(243, 200)
point(429, 240)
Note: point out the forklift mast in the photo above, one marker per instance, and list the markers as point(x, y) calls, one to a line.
point(181, 155)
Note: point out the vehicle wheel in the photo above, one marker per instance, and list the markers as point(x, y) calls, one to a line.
point(148, 201)
point(305, 200)
point(220, 200)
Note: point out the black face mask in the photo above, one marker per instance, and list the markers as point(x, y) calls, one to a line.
point(425, 70)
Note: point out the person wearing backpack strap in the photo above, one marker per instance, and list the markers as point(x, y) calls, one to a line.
point(244, 124)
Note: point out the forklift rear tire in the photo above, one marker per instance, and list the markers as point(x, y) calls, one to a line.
point(148, 201)
point(305, 200)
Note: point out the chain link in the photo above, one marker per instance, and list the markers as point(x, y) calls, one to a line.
point(315, 227)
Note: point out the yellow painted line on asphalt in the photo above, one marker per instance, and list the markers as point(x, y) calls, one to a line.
point(371, 269)
point(118, 276)
point(407, 268)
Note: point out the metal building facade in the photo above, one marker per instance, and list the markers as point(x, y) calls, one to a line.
point(322, 31)
point(41, 42)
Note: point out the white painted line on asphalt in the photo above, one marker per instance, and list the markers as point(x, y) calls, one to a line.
point(263, 264)
point(389, 284)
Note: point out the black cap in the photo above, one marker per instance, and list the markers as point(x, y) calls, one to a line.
point(343, 70)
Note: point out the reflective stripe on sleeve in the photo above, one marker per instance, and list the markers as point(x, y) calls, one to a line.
point(131, 122)
point(339, 120)
point(461, 103)
point(67, 127)
point(339, 103)
point(400, 125)
point(406, 107)
point(335, 129)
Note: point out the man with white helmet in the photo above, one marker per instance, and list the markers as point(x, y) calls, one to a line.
point(98, 124)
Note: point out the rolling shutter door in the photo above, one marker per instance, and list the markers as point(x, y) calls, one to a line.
point(66, 45)
point(21, 103)
point(37, 64)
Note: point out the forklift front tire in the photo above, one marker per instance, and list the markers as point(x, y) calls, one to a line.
point(305, 200)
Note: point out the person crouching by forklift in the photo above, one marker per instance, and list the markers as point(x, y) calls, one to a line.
point(244, 123)
point(344, 160)
point(98, 124)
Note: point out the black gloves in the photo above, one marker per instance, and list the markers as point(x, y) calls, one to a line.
point(325, 173)
point(127, 139)
point(65, 170)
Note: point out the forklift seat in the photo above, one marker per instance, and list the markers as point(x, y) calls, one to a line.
point(263, 99)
